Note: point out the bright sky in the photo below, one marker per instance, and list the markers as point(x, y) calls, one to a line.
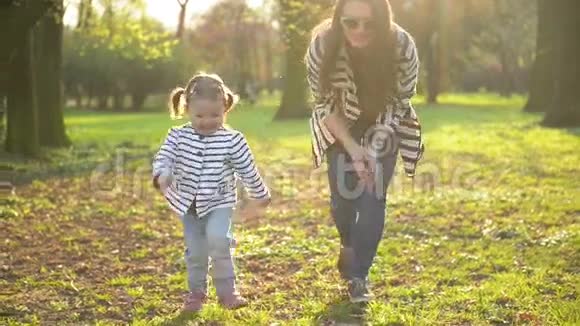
point(167, 11)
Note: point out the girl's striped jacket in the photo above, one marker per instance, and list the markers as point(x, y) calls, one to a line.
point(399, 113)
point(205, 168)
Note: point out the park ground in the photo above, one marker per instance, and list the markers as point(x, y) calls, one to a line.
point(489, 234)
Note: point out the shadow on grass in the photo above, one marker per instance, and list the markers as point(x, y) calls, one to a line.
point(434, 117)
point(343, 312)
point(67, 163)
point(573, 131)
point(182, 318)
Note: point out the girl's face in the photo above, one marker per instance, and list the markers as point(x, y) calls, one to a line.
point(206, 115)
point(358, 23)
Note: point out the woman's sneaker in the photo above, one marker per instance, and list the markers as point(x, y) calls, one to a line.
point(358, 291)
point(194, 301)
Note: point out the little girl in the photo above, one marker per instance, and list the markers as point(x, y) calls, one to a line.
point(196, 170)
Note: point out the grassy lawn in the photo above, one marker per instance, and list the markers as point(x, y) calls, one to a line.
point(488, 233)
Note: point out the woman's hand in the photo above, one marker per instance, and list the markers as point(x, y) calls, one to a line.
point(362, 162)
point(372, 169)
point(355, 151)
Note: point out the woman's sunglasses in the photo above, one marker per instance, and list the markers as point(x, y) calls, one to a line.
point(354, 23)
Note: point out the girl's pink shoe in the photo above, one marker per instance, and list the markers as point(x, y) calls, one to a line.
point(194, 301)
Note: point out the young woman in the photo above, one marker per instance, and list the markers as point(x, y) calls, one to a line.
point(362, 70)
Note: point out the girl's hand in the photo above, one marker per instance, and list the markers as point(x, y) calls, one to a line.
point(164, 180)
point(263, 202)
point(255, 209)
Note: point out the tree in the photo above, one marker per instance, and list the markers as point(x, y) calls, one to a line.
point(85, 11)
point(469, 45)
point(242, 36)
point(509, 35)
point(22, 126)
point(431, 23)
point(268, 46)
point(565, 109)
point(16, 27)
point(436, 47)
point(122, 53)
point(181, 21)
point(541, 90)
point(49, 78)
point(297, 20)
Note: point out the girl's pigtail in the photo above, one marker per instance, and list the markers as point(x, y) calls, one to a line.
point(176, 107)
point(231, 99)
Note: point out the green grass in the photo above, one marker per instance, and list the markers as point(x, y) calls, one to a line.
point(488, 233)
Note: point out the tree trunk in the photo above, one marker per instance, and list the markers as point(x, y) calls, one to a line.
point(565, 110)
point(181, 21)
point(269, 63)
point(541, 87)
point(294, 97)
point(79, 100)
point(81, 14)
point(137, 101)
point(85, 13)
point(20, 16)
point(18, 48)
point(2, 111)
point(22, 122)
point(435, 51)
point(118, 101)
point(240, 47)
point(88, 98)
point(433, 69)
point(298, 19)
point(49, 76)
point(102, 103)
point(507, 86)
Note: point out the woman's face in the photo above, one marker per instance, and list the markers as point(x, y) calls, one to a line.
point(358, 23)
